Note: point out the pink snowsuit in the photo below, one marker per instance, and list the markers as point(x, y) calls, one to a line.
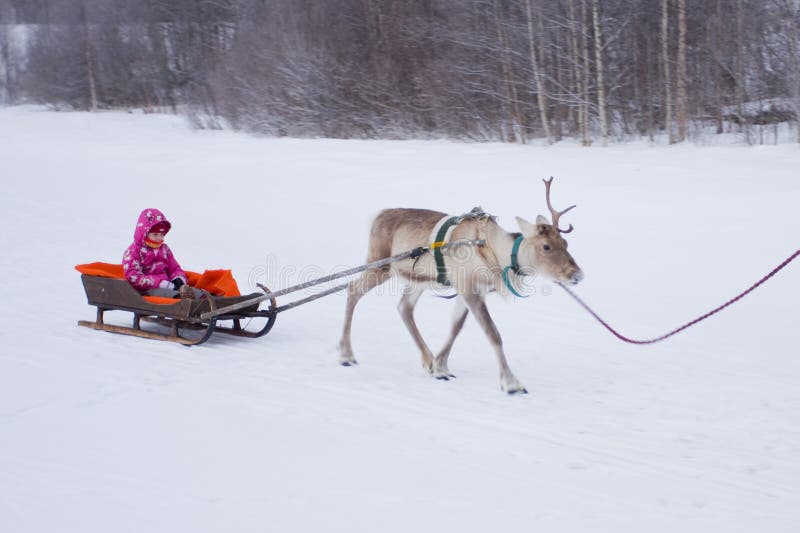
point(150, 268)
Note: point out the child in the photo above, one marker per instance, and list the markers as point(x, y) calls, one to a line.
point(149, 264)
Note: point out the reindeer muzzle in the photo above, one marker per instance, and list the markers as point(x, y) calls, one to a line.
point(576, 277)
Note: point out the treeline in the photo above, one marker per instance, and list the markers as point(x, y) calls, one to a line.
point(511, 70)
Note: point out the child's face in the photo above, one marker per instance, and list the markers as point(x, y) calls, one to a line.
point(156, 236)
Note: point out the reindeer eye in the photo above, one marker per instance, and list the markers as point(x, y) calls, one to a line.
point(546, 247)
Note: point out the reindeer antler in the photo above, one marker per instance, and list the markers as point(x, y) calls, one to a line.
point(555, 214)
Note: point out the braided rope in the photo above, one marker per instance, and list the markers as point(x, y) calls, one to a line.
point(688, 324)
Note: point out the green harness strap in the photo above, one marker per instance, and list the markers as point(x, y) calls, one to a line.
point(439, 243)
point(441, 276)
point(514, 266)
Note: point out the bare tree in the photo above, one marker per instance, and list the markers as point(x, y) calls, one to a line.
point(681, 74)
point(717, 48)
point(791, 16)
point(598, 53)
point(7, 67)
point(512, 100)
point(665, 62)
point(537, 76)
point(740, 79)
point(586, 64)
point(87, 52)
point(575, 49)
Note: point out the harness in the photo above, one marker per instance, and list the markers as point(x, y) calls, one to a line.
point(438, 244)
point(514, 266)
point(440, 237)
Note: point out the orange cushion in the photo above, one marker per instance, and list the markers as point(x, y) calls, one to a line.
point(104, 270)
point(218, 282)
point(160, 300)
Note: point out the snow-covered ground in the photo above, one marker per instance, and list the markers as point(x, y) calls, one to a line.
point(100, 432)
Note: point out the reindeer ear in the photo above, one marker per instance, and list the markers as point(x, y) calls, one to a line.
point(542, 220)
point(526, 227)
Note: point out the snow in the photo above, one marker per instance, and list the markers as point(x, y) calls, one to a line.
point(101, 432)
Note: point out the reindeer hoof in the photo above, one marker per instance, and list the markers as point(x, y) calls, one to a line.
point(444, 375)
point(348, 361)
point(513, 387)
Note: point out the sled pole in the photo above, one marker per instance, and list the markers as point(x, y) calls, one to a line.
point(416, 252)
point(311, 298)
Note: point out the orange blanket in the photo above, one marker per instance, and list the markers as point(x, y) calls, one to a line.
point(217, 282)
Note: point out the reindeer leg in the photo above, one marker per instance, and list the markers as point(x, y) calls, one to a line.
point(440, 369)
point(355, 291)
point(406, 307)
point(508, 382)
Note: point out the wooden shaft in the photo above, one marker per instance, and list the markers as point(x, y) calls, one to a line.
point(300, 286)
point(313, 297)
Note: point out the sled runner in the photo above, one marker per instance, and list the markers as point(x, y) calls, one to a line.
point(185, 321)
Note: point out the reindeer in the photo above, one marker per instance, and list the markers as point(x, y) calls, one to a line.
point(495, 260)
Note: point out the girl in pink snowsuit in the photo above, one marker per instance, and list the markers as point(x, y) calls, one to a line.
point(148, 263)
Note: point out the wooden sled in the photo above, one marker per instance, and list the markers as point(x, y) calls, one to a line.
point(193, 321)
point(181, 317)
